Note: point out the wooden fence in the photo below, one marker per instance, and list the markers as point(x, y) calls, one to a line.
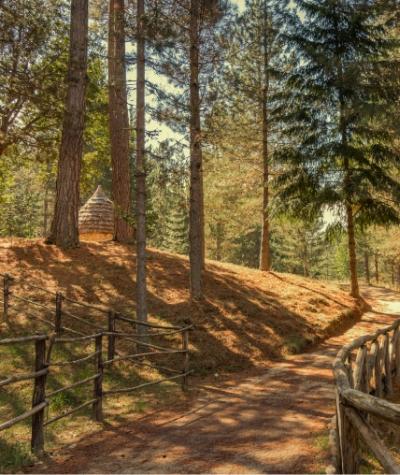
point(366, 372)
point(103, 356)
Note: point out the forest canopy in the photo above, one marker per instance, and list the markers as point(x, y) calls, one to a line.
point(293, 129)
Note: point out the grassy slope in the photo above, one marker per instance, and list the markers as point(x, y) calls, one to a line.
point(248, 317)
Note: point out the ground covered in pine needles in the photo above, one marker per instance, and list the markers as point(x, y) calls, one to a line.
point(247, 318)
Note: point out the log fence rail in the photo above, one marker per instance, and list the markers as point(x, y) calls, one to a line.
point(366, 371)
point(102, 338)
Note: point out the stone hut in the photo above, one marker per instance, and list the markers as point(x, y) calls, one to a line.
point(96, 218)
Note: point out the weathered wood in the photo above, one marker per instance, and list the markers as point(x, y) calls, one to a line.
point(379, 370)
point(40, 319)
point(371, 364)
point(73, 385)
point(23, 377)
point(140, 355)
point(32, 302)
point(349, 442)
point(334, 448)
point(340, 373)
point(37, 287)
point(72, 362)
point(111, 337)
point(98, 382)
point(145, 324)
point(138, 342)
point(23, 416)
point(366, 379)
point(81, 320)
point(86, 305)
point(388, 365)
point(373, 442)
point(393, 342)
point(58, 313)
point(68, 413)
point(358, 373)
point(22, 339)
point(397, 355)
point(39, 397)
point(79, 338)
point(185, 369)
point(7, 280)
point(373, 405)
point(140, 386)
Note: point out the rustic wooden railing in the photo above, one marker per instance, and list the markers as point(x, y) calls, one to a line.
point(103, 356)
point(366, 372)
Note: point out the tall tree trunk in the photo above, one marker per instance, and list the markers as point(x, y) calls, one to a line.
point(196, 209)
point(366, 262)
point(218, 251)
point(64, 229)
point(398, 275)
point(355, 292)
point(393, 274)
point(141, 289)
point(376, 268)
point(119, 123)
point(265, 261)
point(202, 218)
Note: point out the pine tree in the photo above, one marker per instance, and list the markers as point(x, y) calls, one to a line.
point(176, 238)
point(341, 153)
point(64, 228)
point(119, 122)
point(254, 67)
point(190, 54)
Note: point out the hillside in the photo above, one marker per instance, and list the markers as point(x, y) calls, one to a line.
point(248, 317)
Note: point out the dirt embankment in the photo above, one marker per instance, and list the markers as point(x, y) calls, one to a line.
point(247, 318)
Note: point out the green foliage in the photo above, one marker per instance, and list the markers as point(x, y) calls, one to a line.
point(298, 246)
point(14, 456)
point(176, 236)
point(247, 248)
point(340, 149)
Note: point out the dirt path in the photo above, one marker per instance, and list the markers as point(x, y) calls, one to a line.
point(271, 423)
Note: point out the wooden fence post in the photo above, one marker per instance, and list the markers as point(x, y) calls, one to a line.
point(58, 314)
point(396, 343)
point(6, 295)
point(338, 421)
point(185, 347)
point(349, 445)
point(39, 396)
point(388, 365)
point(111, 338)
point(378, 370)
point(98, 382)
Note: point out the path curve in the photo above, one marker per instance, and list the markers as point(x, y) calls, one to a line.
point(271, 423)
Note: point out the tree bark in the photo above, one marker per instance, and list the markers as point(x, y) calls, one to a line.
point(119, 123)
point(64, 229)
point(393, 274)
point(141, 289)
point(355, 292)
point(367, 273)
point(265, 261)
point(196, 210)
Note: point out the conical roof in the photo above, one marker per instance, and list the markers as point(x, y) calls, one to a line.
point(97, 215)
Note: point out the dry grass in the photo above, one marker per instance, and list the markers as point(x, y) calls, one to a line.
point(247, 318)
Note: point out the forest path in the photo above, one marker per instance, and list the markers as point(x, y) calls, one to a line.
point(275, 422)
